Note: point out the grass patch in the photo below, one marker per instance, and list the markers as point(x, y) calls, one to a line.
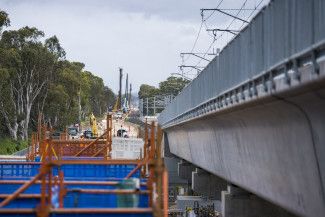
point(9, 146)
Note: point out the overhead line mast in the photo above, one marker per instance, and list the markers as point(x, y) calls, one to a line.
point(120, 90)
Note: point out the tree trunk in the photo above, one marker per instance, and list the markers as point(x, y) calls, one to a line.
point(25, 124)
point(12, 126)
point(13, 131)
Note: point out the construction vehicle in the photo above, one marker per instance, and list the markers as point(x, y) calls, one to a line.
point(116, 105)
point(122, 133)
point(88, 134)
point(73, 133)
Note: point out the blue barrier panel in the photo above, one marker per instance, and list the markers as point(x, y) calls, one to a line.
point(75, 172)
point(23, 203)
point(85, 200)
point(36, 188)
point(38, 158)
point(103, 215)
point(79, 200)
point(10, 188)
point(18, 215)
point(95, 172)
point(83, 215)
point(22, 170)
point(19, 170)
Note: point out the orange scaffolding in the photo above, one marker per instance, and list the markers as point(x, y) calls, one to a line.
point(52, 153)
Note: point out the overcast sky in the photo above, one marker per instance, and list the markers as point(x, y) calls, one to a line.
point(144, 37)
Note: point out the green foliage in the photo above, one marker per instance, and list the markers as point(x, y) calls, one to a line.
point(35, 78)
point(9, 146)
point(147, 91)
point(54, 47)
point(26, 65)
point(172, 86)
point(4, 19)
point(73, 94)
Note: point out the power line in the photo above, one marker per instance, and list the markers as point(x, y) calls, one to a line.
point(225, 13)
point(205, 23)
point(199, 32)
point(194, 54)
point(183, 76)
point(213, 11)
point(215, 39)
point(251, 13)
point(229, 9)
point(214, 31)
point(205, 53)
point(197, 38)
point(227, 29)
point(199, 53)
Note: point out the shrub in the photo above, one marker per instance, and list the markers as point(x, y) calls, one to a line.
point(9, 146)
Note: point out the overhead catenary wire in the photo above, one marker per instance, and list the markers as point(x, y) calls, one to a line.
point(251, 14)
point(217, 38)
point(196, 39)
point(213, 11)
point(200, 29)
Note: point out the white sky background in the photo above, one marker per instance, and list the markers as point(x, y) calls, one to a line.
point(144, 37)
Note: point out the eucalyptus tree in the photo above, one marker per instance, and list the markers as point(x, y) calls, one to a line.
point(4, 20)
point(26, 65)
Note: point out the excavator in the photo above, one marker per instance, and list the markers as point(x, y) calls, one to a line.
point(91, 133)
point(93, 125)
point(115, 108)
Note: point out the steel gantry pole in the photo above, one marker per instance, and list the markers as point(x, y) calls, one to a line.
point(154, 105)
point(147, 106)
point(120, 90)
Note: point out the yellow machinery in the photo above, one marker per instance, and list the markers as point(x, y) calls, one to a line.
point(93, 124)
point(116, 106)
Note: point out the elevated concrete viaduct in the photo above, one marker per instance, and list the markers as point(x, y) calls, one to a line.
point(274, 148)
point(255, 116)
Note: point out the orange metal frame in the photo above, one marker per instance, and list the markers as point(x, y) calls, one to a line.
point(52, 151)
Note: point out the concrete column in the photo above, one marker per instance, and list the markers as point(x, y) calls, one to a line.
point(236, 202)
point(185, 170)
point(207, 184)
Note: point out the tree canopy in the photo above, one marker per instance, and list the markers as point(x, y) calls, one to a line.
point(147, 91)
point(36, 78)
point(172, 86)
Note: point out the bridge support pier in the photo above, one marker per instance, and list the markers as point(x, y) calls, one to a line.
point(236, 202)
point(185, 170)
point(207, 184)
